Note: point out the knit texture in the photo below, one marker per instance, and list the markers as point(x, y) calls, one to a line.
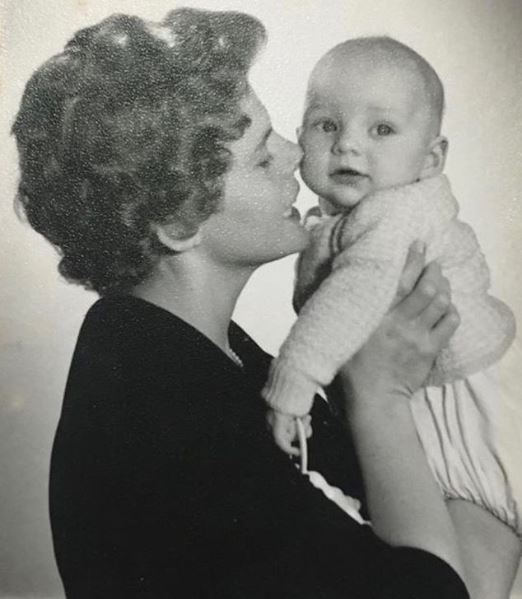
point(348, 277)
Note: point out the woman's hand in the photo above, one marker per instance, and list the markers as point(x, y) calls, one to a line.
point(405, 505)
point(398, 357)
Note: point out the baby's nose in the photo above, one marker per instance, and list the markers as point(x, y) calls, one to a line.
point(346, 141)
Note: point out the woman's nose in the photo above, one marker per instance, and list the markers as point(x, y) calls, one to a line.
point(291, 154)
point(296, 154)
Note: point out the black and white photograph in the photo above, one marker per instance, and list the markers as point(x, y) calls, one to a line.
point(261, 299)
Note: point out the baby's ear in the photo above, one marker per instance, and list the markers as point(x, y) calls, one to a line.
point(175, 237)
point(435, 158)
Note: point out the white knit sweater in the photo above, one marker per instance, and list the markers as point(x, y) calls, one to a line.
point(348, 277)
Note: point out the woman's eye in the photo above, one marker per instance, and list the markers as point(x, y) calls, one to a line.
point(266, 162)
point(382, 130)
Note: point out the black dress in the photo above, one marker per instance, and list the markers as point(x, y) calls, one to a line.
point(166, 483)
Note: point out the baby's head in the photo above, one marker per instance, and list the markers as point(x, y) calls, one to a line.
point(372, 121)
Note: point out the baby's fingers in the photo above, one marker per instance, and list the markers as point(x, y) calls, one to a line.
point(284, 438)
point(284, 444)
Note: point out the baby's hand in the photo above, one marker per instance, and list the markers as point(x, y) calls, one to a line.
point(284, 431)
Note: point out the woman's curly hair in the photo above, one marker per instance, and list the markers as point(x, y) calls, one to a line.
point(127, 128)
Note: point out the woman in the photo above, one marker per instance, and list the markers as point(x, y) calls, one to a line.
point(151, 165)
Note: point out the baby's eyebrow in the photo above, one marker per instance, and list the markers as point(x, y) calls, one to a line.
point(314, 108)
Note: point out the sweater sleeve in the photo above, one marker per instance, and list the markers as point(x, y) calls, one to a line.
point(487, 327)
point(349, 304)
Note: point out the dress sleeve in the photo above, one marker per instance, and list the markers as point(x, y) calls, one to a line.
point(416, 574)
point(354, 566)
point(165, 483)
point(229, 507)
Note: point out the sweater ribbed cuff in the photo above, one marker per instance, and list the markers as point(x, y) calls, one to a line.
point(288, 390)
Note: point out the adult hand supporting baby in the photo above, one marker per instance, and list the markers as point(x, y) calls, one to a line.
point(397, 358)
point(404, 502)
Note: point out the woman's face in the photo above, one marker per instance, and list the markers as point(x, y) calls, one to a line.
point(257, 222)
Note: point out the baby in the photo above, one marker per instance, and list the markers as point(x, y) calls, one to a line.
point(374, 154)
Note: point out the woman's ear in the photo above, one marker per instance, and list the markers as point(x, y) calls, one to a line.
point(435, 158)
point(174, 237)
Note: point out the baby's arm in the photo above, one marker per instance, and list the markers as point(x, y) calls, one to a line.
point(348, 305)
point(315, 262)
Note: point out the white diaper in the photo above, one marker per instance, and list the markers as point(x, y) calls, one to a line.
point(471, 431)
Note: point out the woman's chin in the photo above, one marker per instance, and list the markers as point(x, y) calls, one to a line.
point(296, 241)
point(292, 243)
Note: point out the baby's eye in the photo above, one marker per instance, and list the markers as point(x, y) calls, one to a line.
point(383, 130)
point(326, 125)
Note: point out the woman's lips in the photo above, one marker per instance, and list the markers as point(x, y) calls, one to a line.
point(348, 176)
point(292, 213)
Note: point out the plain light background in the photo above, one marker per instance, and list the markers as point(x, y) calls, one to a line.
point(475, 45)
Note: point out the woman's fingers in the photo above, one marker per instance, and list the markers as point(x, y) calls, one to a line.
point(444, 329)
point(425, 291)
point(412, 269)
point(436, 309)
point(398, 356)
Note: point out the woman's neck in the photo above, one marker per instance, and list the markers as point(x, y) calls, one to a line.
point(202, 294)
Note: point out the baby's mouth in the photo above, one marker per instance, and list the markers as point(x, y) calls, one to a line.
point(347, 176)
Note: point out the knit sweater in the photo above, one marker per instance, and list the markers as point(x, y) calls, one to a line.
point(347, 280)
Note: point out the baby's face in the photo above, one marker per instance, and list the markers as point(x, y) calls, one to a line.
point(366, 128)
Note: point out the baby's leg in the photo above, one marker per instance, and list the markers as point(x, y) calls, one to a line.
point(471, 432)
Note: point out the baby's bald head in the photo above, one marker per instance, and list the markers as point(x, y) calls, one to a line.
point(372, 121)
point(384, 52)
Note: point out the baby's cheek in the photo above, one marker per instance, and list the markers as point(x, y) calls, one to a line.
point(312, 163)
point(310, 172)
